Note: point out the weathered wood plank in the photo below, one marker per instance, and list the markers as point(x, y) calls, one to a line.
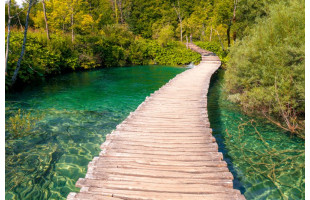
point(156, 187)
point(162, 162)
point(160, 168)
point(126, 178)
point(146, 195)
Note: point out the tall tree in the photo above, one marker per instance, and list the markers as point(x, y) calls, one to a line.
point(116, 11)
point(8, 38)
point(180, 17)
point(234, 19)
point(223, 13)
point(120, 5)
point(24, 45)
point(72, 21)
point(45, 19)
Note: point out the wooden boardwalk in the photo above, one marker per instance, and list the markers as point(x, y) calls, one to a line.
point(165, 149)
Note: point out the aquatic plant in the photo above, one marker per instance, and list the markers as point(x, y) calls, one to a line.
point(267, 161)
point(22, 123)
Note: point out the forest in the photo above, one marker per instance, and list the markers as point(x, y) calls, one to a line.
point(261, 44)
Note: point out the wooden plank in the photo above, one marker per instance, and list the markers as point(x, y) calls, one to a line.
point(155, 136)
point(160, 168)
point(207, 156)
point(125, 178)
point(162, 152)
point(175, 140)
point(81, 196)
point(156, 187)
point(153, 161)
point(101, 173)
point(161, 145)
point(145, 195)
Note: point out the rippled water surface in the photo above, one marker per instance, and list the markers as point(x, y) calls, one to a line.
point(266, 162)
point(76, 111)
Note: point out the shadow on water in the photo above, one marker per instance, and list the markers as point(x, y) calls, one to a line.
point(216, 123)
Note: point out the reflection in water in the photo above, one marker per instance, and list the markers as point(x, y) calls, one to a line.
point(266, 162)
point(79, 110)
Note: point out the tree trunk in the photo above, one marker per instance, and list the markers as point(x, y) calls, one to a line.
point(45, 18)
point(180, 18)
point(179, 14)
point(116, 15)
point(20, 24)
point(202, 32)
point(186, 41)
point(228, 36)
point(220, 39)
point(121, 11)
point(63, 26)
point(211, 34)
point(8, 38)
point(181, 31)
point(23, 47)
point(234, 19)
point(72, 24)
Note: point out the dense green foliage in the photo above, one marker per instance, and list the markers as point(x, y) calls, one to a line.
point(249, 12)
point(266, 72)
point(115, 47)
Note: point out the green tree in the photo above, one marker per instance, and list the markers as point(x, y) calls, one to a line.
point(165, 35)
point(266, 72)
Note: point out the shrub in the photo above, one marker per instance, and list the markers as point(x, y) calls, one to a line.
point(116, 46)
point(267, 69)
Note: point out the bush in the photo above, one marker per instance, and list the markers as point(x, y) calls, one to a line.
point(41, 57)
point(176, 53)
point(116, 46)
point(267, 68)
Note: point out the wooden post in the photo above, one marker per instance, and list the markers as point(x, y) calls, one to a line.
point(23, 47)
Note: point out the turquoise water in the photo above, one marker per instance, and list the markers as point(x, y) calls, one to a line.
point(267, 162)
point(75, 111)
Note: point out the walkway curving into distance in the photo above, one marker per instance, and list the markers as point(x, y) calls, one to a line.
point(165, 148)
